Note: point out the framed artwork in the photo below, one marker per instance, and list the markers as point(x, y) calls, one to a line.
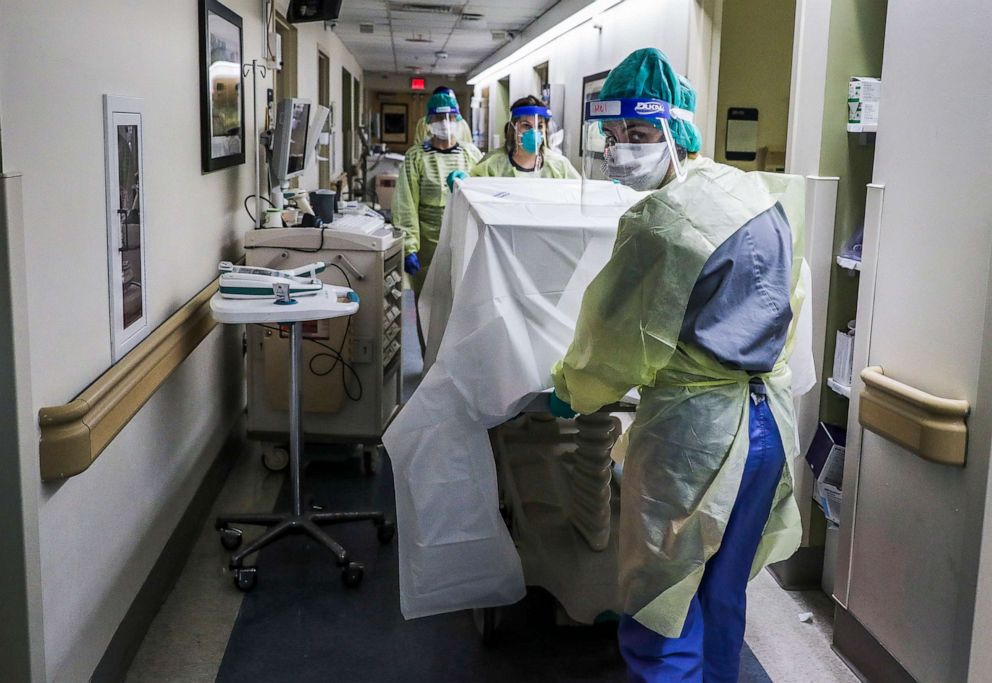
point(222, 103)
point(124, 157)
point(591, 86)
point(394, 123)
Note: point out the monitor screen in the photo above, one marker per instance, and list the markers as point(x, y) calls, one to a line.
point(298, 137)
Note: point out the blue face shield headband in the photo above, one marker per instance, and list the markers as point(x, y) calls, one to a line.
point(655, 112)
point(445, 110)
point(530, 110)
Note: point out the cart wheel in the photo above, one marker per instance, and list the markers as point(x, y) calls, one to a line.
point(275, 458)
point(230, 538)
point(487, 623)
point(245, 578)
point(353, 574)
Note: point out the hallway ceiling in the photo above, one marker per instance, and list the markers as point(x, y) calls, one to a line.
point(405, 36)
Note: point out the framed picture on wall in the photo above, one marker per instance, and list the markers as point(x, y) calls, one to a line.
point(591, 86)
point(124, 158)
point(394, 123)
point(222, 103)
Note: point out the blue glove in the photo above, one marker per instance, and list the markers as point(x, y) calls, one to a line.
point(457, 174)
point(411, 264)
point(559, 408)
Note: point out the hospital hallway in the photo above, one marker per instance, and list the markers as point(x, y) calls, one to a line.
point(495, 341)
point(300, 624)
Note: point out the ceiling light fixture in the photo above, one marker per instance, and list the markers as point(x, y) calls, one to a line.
point(560, 29)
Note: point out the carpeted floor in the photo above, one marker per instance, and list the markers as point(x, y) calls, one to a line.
point(301, 624)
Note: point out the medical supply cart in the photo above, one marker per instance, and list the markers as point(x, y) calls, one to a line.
point(351, 366)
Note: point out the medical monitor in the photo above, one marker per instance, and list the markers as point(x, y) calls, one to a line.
point(317, 122)
point(289, 140)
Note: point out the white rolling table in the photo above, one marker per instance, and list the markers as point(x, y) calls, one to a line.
point(330, 302)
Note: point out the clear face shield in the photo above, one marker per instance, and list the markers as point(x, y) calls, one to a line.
point(629, 142)
point(442, 125)
point(530, 128)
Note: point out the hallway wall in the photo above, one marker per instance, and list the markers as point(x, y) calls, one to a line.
point(102, 531)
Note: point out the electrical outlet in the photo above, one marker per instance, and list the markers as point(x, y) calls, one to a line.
point(361, 349)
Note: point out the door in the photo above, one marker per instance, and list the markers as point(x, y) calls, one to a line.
point(347, 119)
point(914, 548)
point(21, 629)
point(286, 73)
point(324, 99)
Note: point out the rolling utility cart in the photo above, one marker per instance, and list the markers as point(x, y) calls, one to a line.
point(294, 314)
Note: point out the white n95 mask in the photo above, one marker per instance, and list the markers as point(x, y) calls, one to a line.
point(441, 130)
point(638, 166)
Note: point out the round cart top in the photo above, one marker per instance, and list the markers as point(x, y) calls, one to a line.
point(330, 302)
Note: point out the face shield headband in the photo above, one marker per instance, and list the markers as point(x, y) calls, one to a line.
point(530, 110)
point(452, 111)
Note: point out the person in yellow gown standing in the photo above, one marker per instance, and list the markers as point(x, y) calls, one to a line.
point(526, 153)
point(696, 307)
point(421, 190)
point(463, 134)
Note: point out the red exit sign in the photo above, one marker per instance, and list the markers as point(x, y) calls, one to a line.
point(417, 84)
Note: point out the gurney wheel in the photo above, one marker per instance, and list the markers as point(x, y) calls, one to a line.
point(385, 532)
point(487, 622)
point(370, 456)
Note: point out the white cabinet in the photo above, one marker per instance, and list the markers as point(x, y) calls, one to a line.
point(912, 539)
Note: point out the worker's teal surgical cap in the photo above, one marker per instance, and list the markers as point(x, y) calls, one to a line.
point(442, 103)
point(647, 73)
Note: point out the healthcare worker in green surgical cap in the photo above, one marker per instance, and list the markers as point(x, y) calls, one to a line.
point(463, 134)
point(421, 191)
point(526, 153)
point(696, 307)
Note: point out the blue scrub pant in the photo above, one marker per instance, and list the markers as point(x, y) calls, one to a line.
point(710, 646)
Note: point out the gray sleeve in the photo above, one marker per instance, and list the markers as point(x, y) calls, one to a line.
point(739, 307)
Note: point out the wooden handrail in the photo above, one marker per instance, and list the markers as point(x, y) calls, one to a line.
point(934, 428)
point(75, 434)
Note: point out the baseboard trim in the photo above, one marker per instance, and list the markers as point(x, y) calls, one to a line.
point(863, 653)
point(123, 647)
point(802, 571)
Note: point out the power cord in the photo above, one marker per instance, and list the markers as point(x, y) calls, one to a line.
point(248, 211)
point(301, 250)
point(335, 354)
